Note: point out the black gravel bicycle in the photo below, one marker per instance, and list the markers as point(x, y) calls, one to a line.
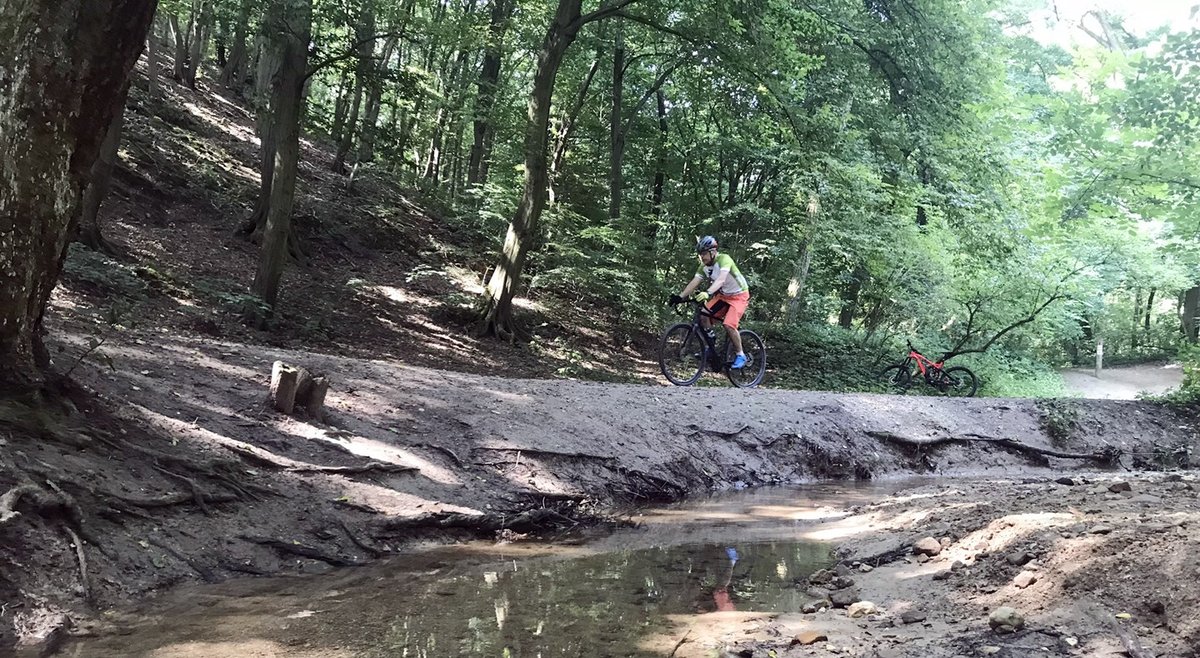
point(686, 349)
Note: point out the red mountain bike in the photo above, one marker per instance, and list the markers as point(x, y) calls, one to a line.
point(955, 380)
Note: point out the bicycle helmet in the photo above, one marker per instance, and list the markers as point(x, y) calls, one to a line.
point(707, 242)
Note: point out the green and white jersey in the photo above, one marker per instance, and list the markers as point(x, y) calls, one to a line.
point(734, 283)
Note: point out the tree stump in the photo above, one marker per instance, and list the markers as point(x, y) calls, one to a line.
point(293, 386)
point(283, 386)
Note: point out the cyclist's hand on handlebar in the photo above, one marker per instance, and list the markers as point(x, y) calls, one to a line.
point(675, 300)
point(701, 296)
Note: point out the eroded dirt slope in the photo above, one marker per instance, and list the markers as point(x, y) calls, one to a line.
point(192, 479)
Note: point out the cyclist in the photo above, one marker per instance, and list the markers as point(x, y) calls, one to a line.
point(727, 294)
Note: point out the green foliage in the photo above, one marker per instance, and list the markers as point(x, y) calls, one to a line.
point(1059, 419)
point(1188, 392)
point(98, 273)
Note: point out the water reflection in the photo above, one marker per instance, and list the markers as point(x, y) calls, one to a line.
point(601, 605)
point(732, 555)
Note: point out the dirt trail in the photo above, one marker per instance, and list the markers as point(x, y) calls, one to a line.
point(194, 480)
point(1123, 383)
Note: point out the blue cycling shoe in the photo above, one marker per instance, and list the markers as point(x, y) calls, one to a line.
point(739, 362)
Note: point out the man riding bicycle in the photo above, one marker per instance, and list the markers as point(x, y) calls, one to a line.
point(726, 296)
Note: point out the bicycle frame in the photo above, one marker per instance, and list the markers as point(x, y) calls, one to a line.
point(714, 355)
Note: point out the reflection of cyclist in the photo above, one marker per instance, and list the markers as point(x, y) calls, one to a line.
point(721, 593)
point(727, 294)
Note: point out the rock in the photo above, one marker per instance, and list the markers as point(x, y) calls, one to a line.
point(865, 568)
point(989, 650)
point(927, 546)
point(1146, 499)
point(1024, 579)
point(809, 637)
point(861, 609)
point(1118, 487)
point(1019, 559)
point(821, 577)
point(844, 598)
point(818, 593)
point(1071, 641)
point(1101, 529)
point(913, 617)
point(841, 582)
point(958, 565)
point(813, 607)
point(1157, 607)
point(843, 571)
point(1006, 620)
point(1065, 481)
point(942, 575)
point(922, 558)
point(1174, 477)
point(946, 542)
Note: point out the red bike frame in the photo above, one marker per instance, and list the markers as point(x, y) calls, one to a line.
point(923, 361)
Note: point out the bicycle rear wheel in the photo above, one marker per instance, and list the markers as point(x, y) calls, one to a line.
point(752, 373)
point(959, 381)
point(681, 354)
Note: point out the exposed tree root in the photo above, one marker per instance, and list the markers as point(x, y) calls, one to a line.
point(370, 548)
point(8, 502)
point(547, 453)
point(442, 449)
point(197, 493)
point(371, 467)
point(172, 500)
point(1108, 457)
point(205, 573)
point(303, 550)
point(83, 569)
point(532, 520)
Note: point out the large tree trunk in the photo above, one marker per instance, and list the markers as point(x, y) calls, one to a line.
point(506, 277)
point(616, 130)
point(850, 294)
point(485, 100)
point(288, 25)
point(90, 233)
point(660, 166)
point(65, 64)
point(562, 141)
point(233, 75)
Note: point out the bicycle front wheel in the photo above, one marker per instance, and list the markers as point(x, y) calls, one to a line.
point(752, 373)
point(897, 378)
point(681, 355)
point(959, 381)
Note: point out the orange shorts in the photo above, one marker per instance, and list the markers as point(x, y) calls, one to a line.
point(729, 308)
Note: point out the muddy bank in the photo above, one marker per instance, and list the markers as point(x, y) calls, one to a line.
point(169, 469)
point(1096, 565)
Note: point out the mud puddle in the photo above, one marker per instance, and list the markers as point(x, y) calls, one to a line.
point(635, 592)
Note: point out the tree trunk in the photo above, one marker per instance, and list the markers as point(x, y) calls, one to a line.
point(1149, 311)
point(850, 294)
point(567, 129)
point(795, 303)
point(232, 76)
point(366, 48)
point(269, 63)
point(181, 47)
point(506, 277)
point(152, 58)
point(201, 18)
point(485, 100)
point(366, 147)
point(1137, 319)
point(616, 129)
point(288, 23)
point(90, 233)
point(660, 167)
point(65, 64)
point(1191, 304)
point(341, 108)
